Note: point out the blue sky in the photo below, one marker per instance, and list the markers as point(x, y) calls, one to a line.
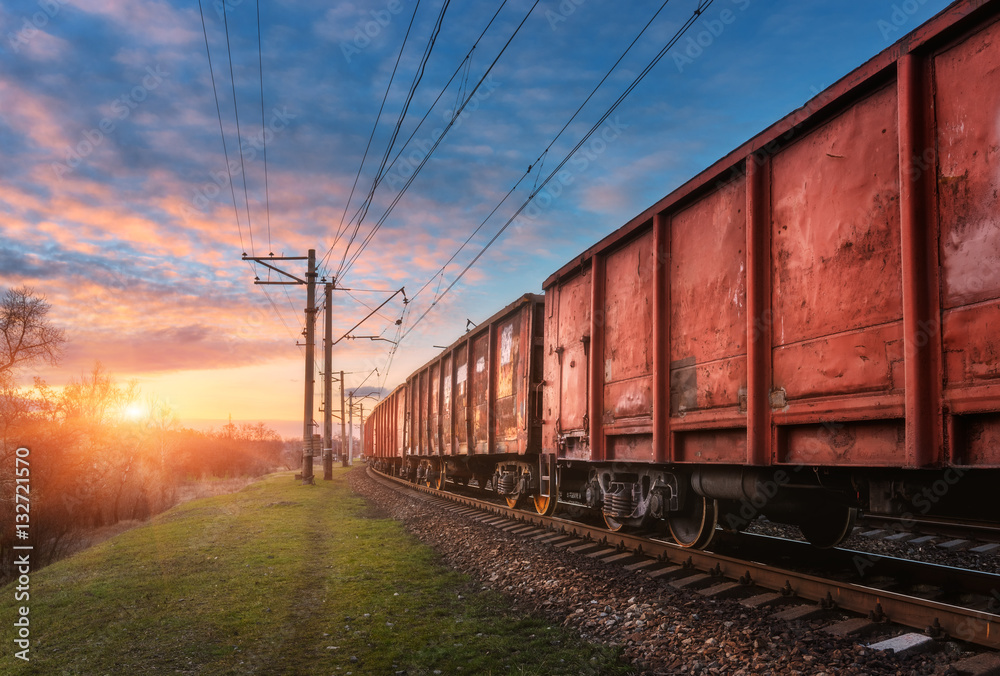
point(116, 202)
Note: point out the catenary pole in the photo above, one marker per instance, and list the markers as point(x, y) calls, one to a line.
point(343, 425)
point(328, 385)
point(307, 451)
point(361, 433)
point(350, 428)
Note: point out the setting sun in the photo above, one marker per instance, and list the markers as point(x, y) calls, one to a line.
point(133, 412)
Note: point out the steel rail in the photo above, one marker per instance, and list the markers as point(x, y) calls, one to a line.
point(973, 626)
point(984, 531)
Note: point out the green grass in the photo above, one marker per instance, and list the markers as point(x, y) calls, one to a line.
point(278, 578)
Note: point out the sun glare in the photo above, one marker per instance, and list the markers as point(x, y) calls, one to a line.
point(133, 411)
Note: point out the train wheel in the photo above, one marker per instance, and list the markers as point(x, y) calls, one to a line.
point(512, 500)
point(438, 483)
point(695, 526)
point(829, 527)
point(548, 478)
point(545, 504)
point(612, 523)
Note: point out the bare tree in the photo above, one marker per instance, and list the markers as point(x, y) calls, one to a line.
point(27, 335)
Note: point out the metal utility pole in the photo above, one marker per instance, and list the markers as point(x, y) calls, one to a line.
point(361, 433)
point(350, 430)
point(328, 385)
point(308, 407)
point(343, 425)
point(310, 312)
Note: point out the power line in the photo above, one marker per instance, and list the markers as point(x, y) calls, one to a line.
point(541, 158)
point(464, 64)
point(418, 76)
point(218, 109)
point(451, 123)
point(263, 132)
point(225, 149)
point(703, 5)
point(239, 141)
point(342, 228)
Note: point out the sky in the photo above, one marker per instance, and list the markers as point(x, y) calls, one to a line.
point(134, 177)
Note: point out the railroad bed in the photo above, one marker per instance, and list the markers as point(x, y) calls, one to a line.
point(668, 620)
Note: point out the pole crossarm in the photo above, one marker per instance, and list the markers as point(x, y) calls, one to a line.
point(264, 260)
point(401, 290)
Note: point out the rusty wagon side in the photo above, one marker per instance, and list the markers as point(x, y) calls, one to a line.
point(812, 324)
point(473, 412)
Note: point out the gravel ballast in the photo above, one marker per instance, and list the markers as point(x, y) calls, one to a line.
point(662, 630)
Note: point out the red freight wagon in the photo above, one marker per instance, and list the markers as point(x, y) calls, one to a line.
point(473, 412)
point(809, 327)
point(384, 431)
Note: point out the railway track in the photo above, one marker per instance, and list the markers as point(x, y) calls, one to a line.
point(971, 534)
point(937, 601)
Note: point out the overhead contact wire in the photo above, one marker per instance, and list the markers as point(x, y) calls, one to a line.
point(263, 132)
point(539, 162)
point(371, 136)
point(458, 113)
point(418, 76)
point(652, 64)
point(218, 110)
point(464, 64)
point(239, 140)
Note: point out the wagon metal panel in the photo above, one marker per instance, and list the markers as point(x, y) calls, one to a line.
point(480, 392)
point(434, 409)
point(421, 424)
point(462, 400)
point(967, 105)
point(399, 424)
point(708, 302)
point(447, 409)
point(836, 225)
point(509, 404)
point(567, 335)
point(623, 353)
point(836, 281)
point(627, 324)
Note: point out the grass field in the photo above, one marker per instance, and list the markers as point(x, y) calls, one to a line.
point(278, 578)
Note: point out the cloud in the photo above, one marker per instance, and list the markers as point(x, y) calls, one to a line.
point(157, 22)
point(181, 348)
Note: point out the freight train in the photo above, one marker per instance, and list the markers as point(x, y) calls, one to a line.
point(808, 329)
